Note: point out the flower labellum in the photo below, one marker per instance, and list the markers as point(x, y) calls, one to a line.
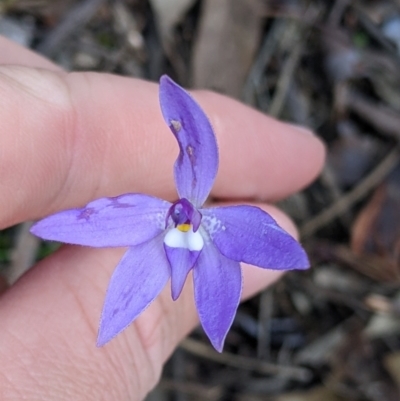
point(179, 237)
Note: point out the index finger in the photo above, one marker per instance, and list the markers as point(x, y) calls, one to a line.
point(70, 138)
point(13, 54)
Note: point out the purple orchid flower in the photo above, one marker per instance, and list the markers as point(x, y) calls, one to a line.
point(168, 240)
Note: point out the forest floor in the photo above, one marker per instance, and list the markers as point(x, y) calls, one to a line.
point(331, 333)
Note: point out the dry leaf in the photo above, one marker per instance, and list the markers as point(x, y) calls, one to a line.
point(392, 365)
point(228, 38)
point(376, 231)
point(168, 14)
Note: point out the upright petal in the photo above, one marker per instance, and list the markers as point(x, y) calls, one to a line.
point(217, 290)
point(248, 234)
point(137, 280)
point(181, 261)
point(197, 163)
point(126, 220)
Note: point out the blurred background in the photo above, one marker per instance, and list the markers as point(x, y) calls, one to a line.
point(331, 333)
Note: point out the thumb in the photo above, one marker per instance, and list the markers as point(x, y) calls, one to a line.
point(49, 328)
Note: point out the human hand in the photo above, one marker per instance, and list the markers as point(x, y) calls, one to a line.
point(71, 138)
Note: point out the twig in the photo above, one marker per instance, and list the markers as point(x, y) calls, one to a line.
point(328, 179)
point(375, 32)
point(337, 12)
point(76, 18)
point(179, 373)
point(264, 324)
point(285, 79)
point(383, 118)
point(242, 362)
point(267, 50)
point(353, 196)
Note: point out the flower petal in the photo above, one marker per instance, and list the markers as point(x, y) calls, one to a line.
point(126, 220)
point(248, 234)
point(217, 290)
point(181, 261)
point(197, 163)
point(137, 280)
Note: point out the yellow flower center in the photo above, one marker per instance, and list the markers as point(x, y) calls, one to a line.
point(183, 227)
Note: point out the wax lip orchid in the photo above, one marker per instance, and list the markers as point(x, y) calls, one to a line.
point(168, 240)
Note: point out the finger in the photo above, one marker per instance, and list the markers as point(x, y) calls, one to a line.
point(50, 319)
point(14, 54)
point(68, 139)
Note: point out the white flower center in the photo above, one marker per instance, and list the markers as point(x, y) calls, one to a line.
point(177, 238)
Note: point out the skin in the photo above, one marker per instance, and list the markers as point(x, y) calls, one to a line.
point(71, 138)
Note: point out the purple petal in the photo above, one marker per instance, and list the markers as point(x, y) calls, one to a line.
point(126, 220)
point(248, 234)
point(137, 280)
point(181, 261)
point(217, 290)
point(197, 163)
